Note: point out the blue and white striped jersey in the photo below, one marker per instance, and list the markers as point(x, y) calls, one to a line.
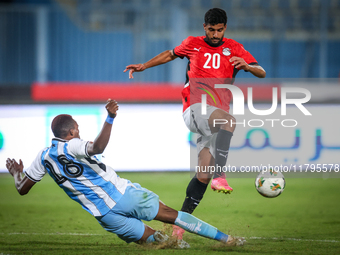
point(85, 179)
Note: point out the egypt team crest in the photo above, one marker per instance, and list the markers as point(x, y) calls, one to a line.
point(226, 52)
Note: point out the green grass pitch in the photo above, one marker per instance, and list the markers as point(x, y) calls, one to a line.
point(304, 219)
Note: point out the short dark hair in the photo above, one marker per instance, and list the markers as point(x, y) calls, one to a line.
point(215, 16)
point(62, 124)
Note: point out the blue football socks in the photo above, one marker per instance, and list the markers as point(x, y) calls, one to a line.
point(194, 225)
point(150, 239)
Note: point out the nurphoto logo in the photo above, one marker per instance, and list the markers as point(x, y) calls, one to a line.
point(238, 106)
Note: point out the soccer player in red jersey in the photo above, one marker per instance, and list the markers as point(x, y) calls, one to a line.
point(213, 59)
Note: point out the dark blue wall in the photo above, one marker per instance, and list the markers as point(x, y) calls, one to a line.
point(77, 54)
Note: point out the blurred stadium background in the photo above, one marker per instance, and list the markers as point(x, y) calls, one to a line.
point(75, 51)
point(68, 56)
point(93, 40)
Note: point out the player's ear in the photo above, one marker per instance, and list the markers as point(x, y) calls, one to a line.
point(71, 132)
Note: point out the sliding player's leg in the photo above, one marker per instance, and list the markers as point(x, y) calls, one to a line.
point(194, 225)
point(137, 204)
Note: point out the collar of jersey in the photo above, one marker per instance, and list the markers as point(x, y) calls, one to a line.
point(211, 45)
point(59, 139)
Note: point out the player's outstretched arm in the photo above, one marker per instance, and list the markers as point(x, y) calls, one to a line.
point(22, 184)
point(240, 63)
point(100, 143)
point(162, 58)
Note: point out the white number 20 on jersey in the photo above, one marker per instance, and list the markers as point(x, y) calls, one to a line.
point(213, 60)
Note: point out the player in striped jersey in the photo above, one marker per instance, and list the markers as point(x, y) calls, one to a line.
point(213, 59)
point(116, 203)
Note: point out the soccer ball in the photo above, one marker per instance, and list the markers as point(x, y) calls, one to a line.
point(270, 183)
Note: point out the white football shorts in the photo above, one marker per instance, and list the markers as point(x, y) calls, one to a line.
point(198, 123)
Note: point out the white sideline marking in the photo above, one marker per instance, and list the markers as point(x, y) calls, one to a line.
point(252, 237)
point(51, 234)
point(293, 239)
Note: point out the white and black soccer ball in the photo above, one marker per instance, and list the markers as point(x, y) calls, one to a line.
point(270, 183)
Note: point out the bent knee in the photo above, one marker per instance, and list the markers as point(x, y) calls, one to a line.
point(230, 125)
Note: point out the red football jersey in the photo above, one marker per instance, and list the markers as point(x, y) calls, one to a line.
point(209, 65)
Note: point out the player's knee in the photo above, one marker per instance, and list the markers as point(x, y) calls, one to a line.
point(233, 123)
point(230, 125)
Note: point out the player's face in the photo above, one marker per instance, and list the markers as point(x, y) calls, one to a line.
point(214, 33)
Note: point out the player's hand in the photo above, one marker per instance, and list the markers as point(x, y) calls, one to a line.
point(112, 107)
point(134, 68)
point(239, 63)
point(13, 166)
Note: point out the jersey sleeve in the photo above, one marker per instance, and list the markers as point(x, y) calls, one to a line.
point(36, 171)
point(243, 53)
point(182, 49)
point(78, 148)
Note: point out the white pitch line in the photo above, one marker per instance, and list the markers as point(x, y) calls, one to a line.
point(252, 237)
point(294, 239)
point(51, 234)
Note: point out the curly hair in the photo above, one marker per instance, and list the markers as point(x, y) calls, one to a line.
point(215, 16)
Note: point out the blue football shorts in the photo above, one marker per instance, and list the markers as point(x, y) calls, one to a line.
point(124, 219)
